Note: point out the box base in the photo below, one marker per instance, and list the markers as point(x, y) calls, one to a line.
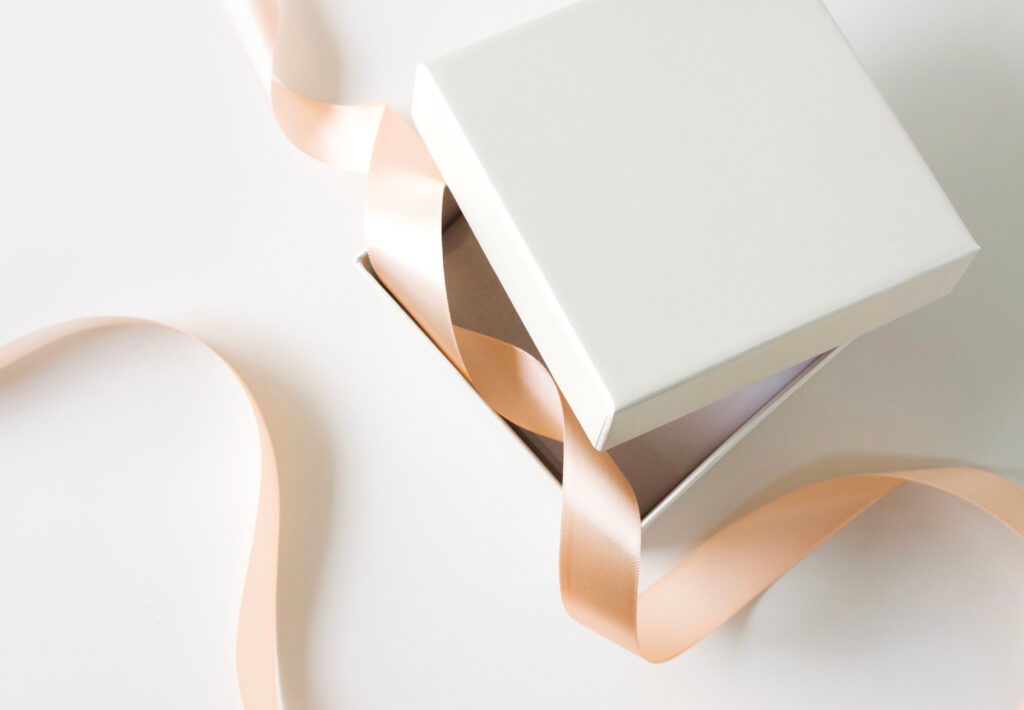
point(660, 464)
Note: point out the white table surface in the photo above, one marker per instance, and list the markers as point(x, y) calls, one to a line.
point(142, 174)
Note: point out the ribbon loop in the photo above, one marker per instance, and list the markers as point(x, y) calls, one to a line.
point(600, 534)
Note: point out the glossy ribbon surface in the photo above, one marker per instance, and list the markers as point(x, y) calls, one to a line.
point(600, 529)
point(255, 654)
point(600, 532)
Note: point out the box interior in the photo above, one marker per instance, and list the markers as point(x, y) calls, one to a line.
point(658, 463)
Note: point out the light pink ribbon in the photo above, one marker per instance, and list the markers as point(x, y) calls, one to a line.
point(600, 534)
point(255, 653)
point(600, 531)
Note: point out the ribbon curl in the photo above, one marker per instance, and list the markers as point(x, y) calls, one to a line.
point(255, 659)
point(600, 529)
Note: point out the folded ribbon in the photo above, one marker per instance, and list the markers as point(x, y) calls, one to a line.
point(255, 653)
point(600, 529)
point(600, 532)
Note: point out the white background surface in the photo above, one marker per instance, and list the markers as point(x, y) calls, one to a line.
point(142, 174)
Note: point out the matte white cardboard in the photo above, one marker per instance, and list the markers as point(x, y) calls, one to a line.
point(682, 197)
point(661, 464)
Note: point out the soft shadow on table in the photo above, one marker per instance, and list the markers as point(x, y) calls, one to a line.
point(962, 102)
point(305, 452)
point(308, 60)
point(978, 157)
point(963, 106)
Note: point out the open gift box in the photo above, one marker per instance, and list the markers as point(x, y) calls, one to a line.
point(684, 209)
point(660, 464)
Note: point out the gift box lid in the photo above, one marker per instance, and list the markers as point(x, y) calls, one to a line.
point(682, 197)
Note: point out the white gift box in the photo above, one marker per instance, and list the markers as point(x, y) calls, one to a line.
point(691, 204)
point(660, 464)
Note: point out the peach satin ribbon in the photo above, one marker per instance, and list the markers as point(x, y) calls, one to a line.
point(600, 532)
point(255, 653)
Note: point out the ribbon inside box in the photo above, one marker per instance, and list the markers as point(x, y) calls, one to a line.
point(664, 462)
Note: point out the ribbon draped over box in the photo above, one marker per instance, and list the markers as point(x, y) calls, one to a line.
point(600, 528)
